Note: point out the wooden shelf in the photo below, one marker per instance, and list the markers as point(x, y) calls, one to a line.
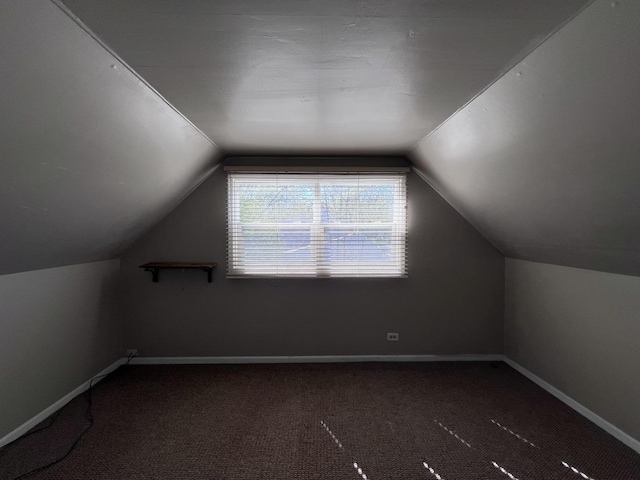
point(155, 267)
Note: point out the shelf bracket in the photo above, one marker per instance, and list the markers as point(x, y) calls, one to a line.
point(155, 273)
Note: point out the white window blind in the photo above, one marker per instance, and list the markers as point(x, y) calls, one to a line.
point(316, 225)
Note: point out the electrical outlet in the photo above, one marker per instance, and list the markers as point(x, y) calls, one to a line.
point(393, 337)
point(132, 352)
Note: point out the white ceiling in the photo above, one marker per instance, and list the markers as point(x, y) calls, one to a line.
point(88, 152)
point(309, 76)
point(546, 162)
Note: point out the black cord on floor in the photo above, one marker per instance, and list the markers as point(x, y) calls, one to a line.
point(53, 418)
point(89, 416)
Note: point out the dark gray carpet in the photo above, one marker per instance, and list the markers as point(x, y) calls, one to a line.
point(322, 421)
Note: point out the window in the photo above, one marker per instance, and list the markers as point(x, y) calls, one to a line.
point(316, 225)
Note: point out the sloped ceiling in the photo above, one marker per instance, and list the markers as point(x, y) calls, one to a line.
point(90, 156)
point(330, 76)
point(546, 162)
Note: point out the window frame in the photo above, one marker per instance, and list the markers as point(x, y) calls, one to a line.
point(395, 268)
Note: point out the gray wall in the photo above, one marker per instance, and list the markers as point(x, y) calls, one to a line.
point(579, 331)
point(58, 327)
point(451, 304)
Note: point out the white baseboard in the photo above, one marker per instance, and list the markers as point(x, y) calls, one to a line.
point(29, 424)
point(313, 359)
point(581, 409)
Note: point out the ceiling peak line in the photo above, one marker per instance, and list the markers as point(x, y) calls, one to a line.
point(508, 68)
point(99, 41)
